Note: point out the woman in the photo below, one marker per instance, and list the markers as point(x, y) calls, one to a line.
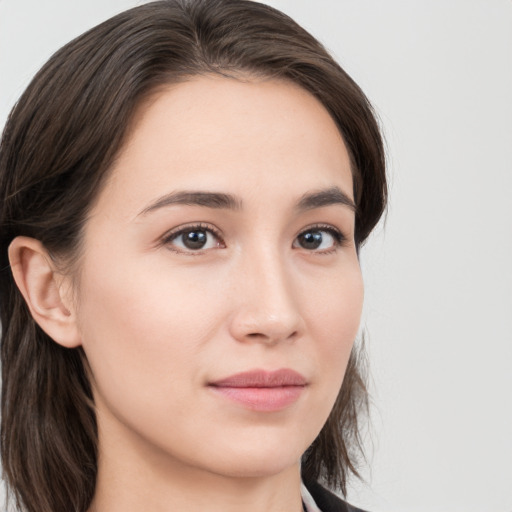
point(185, 189)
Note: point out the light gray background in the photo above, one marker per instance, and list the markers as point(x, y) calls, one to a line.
point(439, 274)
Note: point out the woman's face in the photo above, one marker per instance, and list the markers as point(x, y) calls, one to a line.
point(220, 292)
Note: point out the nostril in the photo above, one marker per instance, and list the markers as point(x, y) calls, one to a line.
point(269, 338)
point(255, 335)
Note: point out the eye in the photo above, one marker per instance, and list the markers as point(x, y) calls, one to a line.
point(193, 239)
point(319, 239)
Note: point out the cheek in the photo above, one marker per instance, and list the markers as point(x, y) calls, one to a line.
point(143, 331)
point(334, 314)
point(334, 304)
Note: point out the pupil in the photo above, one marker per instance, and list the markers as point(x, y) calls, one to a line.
point(194, 239)
point(311, 239)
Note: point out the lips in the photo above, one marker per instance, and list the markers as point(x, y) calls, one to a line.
point(260, 390)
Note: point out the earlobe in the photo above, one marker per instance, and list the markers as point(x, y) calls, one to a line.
point(42, 287)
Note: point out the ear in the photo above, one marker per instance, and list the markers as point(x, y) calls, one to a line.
point(45, 290)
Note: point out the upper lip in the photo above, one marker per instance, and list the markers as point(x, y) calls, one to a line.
point(262, 379)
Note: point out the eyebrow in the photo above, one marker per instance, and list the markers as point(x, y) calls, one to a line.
point(325, 197)
point(219, 200)
point(215, 200)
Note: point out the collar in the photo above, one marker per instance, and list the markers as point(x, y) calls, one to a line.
point(307, 500)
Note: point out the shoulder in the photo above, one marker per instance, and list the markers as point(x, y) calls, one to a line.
point(327, 501)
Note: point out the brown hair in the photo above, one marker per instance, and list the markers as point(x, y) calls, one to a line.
point(57, 147)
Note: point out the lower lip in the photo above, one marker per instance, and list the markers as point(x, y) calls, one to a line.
point(261, 399)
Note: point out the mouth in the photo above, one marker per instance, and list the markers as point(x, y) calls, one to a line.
point(261, 390)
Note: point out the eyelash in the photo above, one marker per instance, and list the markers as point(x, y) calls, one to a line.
point(339, 238)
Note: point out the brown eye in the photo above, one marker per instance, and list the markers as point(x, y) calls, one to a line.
point(318, 239)
point(193, 238)
point(311, 239)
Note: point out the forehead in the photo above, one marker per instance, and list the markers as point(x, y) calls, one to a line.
point(231, 135)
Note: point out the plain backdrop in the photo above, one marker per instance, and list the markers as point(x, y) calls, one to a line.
point(438, 274)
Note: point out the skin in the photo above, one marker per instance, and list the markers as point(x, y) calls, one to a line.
point(159, 321)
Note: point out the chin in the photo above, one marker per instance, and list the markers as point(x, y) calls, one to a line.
point(258, 457)
point(261, 467)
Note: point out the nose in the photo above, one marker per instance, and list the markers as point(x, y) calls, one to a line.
point(266, 309)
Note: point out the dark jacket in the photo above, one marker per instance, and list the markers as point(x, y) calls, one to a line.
point(327, 501)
